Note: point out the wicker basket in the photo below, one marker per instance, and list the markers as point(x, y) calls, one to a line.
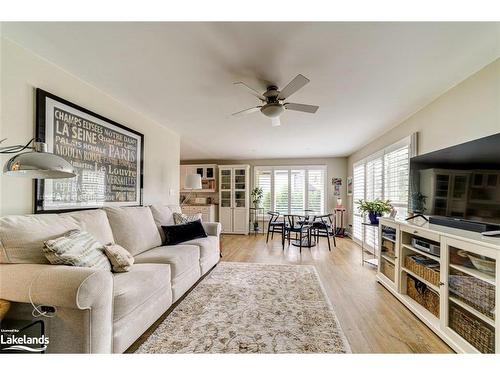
point(419, 292)
point(387, 269)
point(474, 292)
point(475, 331)
point(388, 247)
point(429, 274)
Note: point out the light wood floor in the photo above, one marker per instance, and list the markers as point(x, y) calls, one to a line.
point(372, 319)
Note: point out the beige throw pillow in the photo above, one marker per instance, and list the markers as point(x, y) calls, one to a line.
point(76, 248)
point(184, 219)
point(121, 260)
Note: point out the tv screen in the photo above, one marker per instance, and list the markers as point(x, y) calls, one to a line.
point(461, 181)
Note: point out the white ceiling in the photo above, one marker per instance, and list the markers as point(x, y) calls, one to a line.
point(366, 77)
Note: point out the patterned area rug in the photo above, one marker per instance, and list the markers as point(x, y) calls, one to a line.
point(252, 308)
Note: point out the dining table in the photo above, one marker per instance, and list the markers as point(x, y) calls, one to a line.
point(304, 216)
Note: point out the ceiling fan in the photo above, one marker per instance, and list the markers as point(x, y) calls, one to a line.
point(274, 101)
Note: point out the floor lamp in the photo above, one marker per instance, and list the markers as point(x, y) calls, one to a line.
point(192, 182)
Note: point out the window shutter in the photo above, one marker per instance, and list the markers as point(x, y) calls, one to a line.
point(297, 190)
point(281, 190)
point(396, 170)
point(263, 180)
point(357, 194)
point(316, 190)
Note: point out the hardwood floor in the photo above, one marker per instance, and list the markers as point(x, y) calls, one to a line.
point(372, 319)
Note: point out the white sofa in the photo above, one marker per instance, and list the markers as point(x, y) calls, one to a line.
point(100, 311)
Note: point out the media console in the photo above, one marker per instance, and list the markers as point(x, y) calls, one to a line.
point(449, 280)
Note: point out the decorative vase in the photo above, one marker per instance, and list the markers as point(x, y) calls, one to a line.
point(373, 216)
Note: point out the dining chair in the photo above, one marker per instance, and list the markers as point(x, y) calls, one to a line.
point(323, 226)
point(299, 225)
point(275, 226)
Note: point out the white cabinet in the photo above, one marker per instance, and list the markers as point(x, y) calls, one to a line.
point(208, 173)
point(207, 211)
point(448, 278)
point(234, 198)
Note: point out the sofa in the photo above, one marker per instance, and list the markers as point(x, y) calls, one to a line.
point(99, 311)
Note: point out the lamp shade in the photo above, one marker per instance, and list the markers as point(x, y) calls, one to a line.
point(38, 165)
point(192, 182)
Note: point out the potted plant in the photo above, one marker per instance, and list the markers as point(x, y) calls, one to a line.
point(375, 208)
point(257, 195)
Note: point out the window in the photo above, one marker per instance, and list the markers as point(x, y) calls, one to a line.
point(263, 179)
point(383, 175)
point(292, 188)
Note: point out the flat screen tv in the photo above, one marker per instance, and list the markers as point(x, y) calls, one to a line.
point(461, 182)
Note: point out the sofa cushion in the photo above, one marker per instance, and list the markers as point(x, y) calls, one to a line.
point(163, 215)
point(77, 248)
point(22, 236)
point(95, 222)
point(182, 258)
point(133, 288)
point(209, 247)
point(133, 228)
point(176, 234)
point(121, 260)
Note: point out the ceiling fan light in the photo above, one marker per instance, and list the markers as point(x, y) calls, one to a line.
point(272, 110)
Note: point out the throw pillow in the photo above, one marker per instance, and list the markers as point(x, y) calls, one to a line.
point(76, 248)
point(183, 218)
point(175, 234)
point(121, 260)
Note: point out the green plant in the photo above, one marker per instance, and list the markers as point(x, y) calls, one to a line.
point(257, 195)
point(376, 206)
point(418, 202)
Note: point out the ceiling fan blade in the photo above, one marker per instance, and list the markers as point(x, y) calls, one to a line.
point(275, 121)
point(252, 90)
point(295, 85)
point(302, 107)
point(247, 111)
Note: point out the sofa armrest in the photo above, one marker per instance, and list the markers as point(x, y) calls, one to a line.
point(56, 285)
point(83, 298)
point(212, 228)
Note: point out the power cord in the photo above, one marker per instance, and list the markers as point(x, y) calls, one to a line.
point(38, 309)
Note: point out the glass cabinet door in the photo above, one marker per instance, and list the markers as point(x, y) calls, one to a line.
point(240, 179)
point(225, 179)
point(225, 198)
point(471, 296)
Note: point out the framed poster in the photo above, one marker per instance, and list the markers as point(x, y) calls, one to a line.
point(337, 183)
point(349, 185)
point(108, 158)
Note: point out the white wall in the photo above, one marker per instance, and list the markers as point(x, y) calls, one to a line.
point(336, 167)
point(467, 111)
point(22, 72)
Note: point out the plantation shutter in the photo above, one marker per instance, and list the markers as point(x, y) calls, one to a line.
point(281, 190)
point(263, 180)
point(358, 192)
point(316, 190)
point(396, 170)
point(297, 190)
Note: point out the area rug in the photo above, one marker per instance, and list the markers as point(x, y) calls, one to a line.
point(252, 308)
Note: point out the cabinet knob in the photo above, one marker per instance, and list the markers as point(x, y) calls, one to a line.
point(415, 232)
point(441, 283)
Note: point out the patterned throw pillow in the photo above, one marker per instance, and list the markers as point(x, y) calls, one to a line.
point(121, 260)
point(76, 248)
point(184, 219)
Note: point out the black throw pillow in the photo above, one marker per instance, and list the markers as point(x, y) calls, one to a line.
point(175, 234)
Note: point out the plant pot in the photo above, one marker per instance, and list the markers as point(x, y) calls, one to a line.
point(373, 217)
